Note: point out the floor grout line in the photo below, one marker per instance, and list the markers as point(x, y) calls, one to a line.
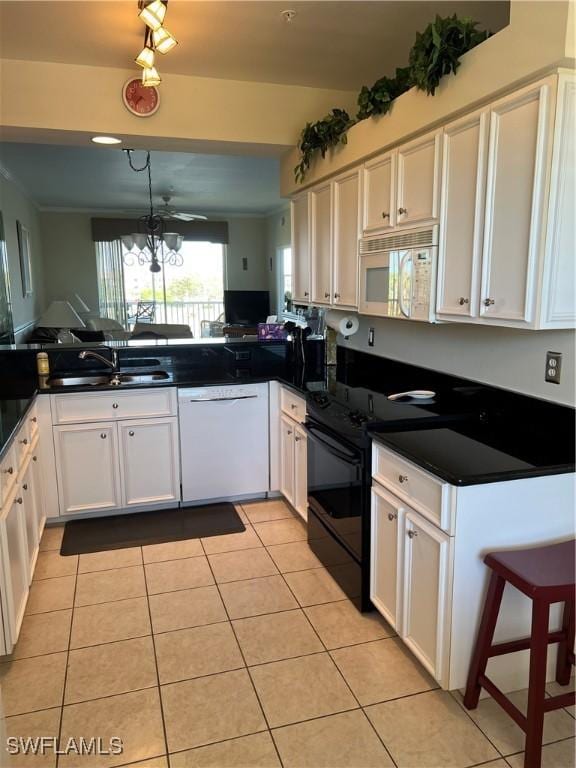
point(61, 723)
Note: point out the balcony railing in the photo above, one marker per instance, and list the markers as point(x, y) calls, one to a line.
point(190, 313)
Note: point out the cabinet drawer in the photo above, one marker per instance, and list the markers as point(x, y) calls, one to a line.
point(413, 485)
point(292, 405)
point(99, 406)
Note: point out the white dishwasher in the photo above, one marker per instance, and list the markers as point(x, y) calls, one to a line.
point(224, 441)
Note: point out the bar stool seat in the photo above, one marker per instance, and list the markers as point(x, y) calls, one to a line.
point(546, 575)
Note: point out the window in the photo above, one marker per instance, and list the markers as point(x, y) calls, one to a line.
point(284, 260)
point(190, 294)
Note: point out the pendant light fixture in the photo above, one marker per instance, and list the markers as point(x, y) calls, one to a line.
point(151, 245)
point(157, 39)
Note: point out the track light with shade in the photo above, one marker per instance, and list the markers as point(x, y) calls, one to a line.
point(156, 38)
point(150, 76)
point(163, 40)
point(146, 57)
point(152, 14)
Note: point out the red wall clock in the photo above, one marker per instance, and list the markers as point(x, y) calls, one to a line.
point(141, 100)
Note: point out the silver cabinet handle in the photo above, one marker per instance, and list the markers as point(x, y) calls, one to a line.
point(336, 295)
point(34, 458)
point(289, 431)
point(403, 478)
point(25, 486)
point(402, 210)
point(327, 295)
point(114, 405)
point(293, 406)
point(103, 435)
point(19, 500)
point(385, 215)
point(34, 419)
point(131, 433)
point(392, 516)
point(9, 471)
point(412, 534)
point(306, 293)
point(25, 441)
point(488, 302)
point(297, 439)
point(463, 301)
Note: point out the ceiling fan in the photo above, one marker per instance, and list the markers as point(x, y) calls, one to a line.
point(168, 211)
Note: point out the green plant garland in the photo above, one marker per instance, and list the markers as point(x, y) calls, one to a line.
point(435, 53)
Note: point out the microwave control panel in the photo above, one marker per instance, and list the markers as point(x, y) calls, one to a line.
point(422, 288)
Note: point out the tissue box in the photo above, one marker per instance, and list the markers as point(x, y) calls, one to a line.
point(271, 331)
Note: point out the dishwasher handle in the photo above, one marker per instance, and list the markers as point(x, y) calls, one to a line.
point(222, 399)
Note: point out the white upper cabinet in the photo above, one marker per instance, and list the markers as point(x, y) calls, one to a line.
point(346, 196)
point(462, 214)
point(321, 243)
point(300, 221)
point(418, 181)
point(379, 193)
point(520, 128)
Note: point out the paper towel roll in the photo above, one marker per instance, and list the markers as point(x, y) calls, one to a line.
point(347, 325)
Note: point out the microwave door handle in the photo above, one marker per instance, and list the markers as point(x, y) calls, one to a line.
point(403, 260)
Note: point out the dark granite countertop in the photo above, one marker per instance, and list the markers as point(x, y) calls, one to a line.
point(472, 454)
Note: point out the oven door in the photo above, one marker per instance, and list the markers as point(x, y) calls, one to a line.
point(379, 284)
point(336, 493)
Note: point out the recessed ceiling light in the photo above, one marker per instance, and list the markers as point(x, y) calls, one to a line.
point(106, 140)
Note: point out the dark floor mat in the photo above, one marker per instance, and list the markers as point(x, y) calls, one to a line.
point(99, 534)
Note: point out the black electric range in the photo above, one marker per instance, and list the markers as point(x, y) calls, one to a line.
point(338, 427)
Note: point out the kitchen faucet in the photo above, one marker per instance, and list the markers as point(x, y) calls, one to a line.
point(113, 364)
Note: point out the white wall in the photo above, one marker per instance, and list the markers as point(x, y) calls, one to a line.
point(247, 241)
point(278, 235)
point(16, 206)
point(508, 358)
point(69, 257)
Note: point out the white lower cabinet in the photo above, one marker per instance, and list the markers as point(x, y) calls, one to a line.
point(300, 472)
point(149, 461)
point(425, 580)
point(118, 463)
point(410, 577)
point(87, 467)
point(293, 465)
point(287, 458)
point(15, 567)
point(30, 518)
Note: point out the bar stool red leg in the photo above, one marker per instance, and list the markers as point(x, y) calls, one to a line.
point(537, 684)
point(566, 646)
point(484, 639)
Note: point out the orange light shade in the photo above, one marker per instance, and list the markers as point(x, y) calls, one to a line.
point(146, 57)
point(163, 40)
point(150, 76)
point(153, 14)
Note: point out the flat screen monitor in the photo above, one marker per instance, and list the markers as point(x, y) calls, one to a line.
point(246, 307)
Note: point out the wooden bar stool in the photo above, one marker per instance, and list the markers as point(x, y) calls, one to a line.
point(546, 576)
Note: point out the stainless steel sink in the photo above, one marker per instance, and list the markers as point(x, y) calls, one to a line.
point(78, 381)
point(110, 379)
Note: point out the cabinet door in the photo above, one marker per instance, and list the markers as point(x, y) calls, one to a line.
point(300, 222)
point(38, 489)
point(426, 588)
point(87, 467)
point(518, 155)
point(321, 243)
point(287, 459)
point(13, 567)
point(300, 472)
point(462, 215)
point(30, 519)
point(386, 555)
point(378, 193)
point(418, 181)
point(346, 194)
point(149, 459)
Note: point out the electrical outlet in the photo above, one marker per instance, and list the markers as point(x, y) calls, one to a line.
point(371, 337)
point(553, 367)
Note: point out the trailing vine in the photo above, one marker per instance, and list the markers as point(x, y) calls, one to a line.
point(435, 53)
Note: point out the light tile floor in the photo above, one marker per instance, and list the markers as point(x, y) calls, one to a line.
point(237, 650)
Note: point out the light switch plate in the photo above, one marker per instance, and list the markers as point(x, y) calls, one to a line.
point(371, 337)
point(553, 367)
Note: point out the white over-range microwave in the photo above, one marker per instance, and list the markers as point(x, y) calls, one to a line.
point(398, 274)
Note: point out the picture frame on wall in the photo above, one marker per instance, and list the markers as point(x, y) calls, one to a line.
point(25, 263)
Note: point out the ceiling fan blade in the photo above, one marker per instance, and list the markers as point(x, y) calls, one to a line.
point(181, 216)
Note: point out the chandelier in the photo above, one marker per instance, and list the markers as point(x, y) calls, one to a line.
point(157, 39)
point(151, 244)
